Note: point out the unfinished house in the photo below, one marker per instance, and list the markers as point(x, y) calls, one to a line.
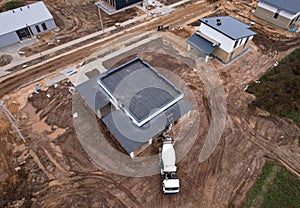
point(23, 22)
point(135, 103)
point(283, 13)
point(222, 37)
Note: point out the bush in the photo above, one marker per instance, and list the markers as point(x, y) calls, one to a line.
point(13, 4)
point(10, 5)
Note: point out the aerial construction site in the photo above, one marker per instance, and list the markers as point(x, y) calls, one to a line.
point(139, 104)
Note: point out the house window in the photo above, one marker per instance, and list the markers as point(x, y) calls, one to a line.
point(44, 26)
point(235, 44)
point(246, 42)
point(241, 40)
point(37, 28)
point(277, 14)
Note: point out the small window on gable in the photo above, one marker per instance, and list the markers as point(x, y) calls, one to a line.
point(44, 26)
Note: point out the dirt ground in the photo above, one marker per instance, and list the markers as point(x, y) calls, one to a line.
point(5, 59)
point(52, 169)
point(182, 32)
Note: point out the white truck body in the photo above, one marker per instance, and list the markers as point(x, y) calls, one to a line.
point(170, 182)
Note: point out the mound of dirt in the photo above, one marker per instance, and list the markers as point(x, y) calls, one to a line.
point(54, 104)
point(182, 32)
point(5, 59)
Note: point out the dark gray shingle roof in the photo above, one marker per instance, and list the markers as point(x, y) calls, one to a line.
point(292, 6)
point(202, 44)
point(229, 26)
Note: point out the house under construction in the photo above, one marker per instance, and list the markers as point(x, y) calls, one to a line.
point(134, 101)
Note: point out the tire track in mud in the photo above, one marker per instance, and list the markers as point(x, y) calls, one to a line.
point(73, 183)
point(101, 184)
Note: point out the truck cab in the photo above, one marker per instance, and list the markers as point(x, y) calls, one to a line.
point(170, 183)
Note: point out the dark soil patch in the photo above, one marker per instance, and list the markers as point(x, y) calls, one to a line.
point(273, 42)
point(5, 59)
point(55, 104)
point(182, 32)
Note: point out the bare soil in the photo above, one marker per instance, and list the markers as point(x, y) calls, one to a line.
point(182, 32)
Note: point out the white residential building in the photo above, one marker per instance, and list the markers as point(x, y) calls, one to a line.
point(283, 13)
point(20, 23)
point(223, 37)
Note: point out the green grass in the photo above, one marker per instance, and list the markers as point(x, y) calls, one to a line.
point(279, 89)
point(12, 5)
point(275, 188)
point(257, 192)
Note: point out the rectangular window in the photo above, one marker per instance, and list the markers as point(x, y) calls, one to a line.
point(235, 44)
point(277, 14)
point(44, 26)
point(246, 42)
point(37, 28)
point(241, 40)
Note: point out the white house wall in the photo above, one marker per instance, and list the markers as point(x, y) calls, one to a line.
point(226, 42)
point(49, 23)
point(8, 39)
point(288, 15)
point(12, 37)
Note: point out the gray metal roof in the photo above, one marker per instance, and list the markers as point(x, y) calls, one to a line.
point(292, 6)
point(132, 137)
point(229, 26)
point(16, 19)
point(202, 44)
point(93, 94)
point(139, 90)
